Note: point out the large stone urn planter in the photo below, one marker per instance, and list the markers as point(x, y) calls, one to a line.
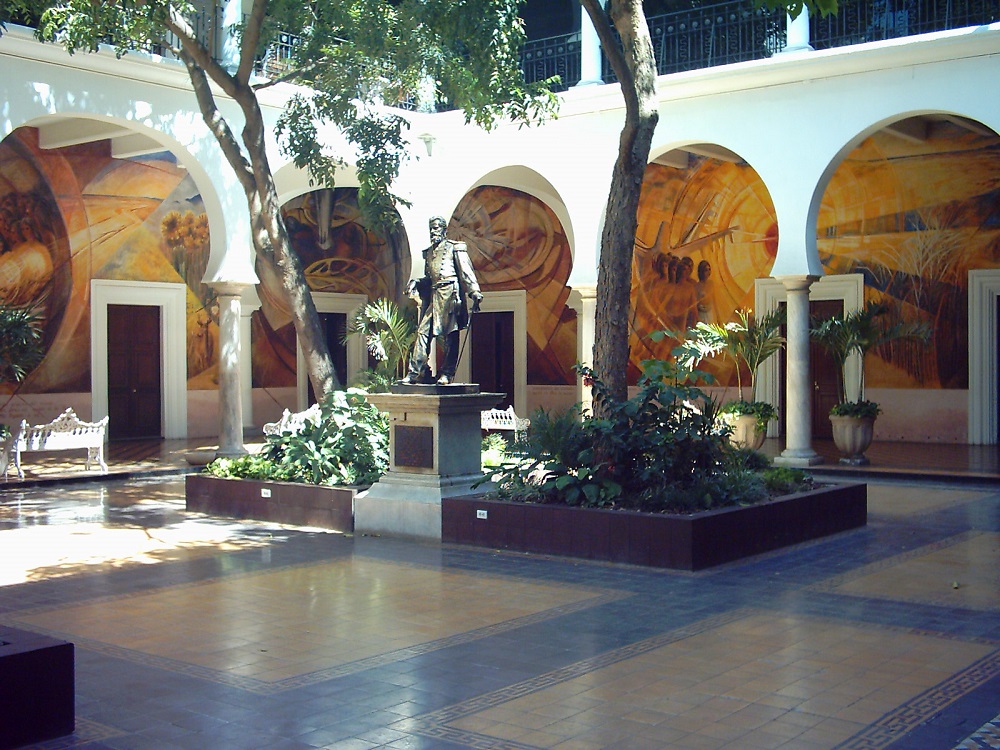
point(288, 503)
point(746, 433)
point(688, 542)
point(852, 436)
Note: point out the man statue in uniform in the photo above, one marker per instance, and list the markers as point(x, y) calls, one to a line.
point(448, 279)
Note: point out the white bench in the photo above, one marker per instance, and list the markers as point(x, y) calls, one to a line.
point(293, 422)
point(504, 419)
point(64, 433)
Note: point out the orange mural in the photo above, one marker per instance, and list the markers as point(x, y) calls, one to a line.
point(516, 242)
point(914, 218)
point(74, 214)
point(339, 253)
point(705, 234)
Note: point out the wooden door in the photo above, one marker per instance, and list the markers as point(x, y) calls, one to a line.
point(334, 327)
point(134, 390)
point(822, 372)
point(492, 354)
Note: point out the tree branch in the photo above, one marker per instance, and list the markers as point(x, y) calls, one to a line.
point(217, 123)
point(251, 38)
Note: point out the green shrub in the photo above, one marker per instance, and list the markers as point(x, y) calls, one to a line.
point(348, 445)
point(660, 451)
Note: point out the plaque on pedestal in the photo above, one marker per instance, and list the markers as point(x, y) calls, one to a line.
point(435, 451)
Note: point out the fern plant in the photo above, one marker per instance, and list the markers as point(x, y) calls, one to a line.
point(388, 331)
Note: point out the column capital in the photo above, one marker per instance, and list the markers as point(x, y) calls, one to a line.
point(229, 288)
point(797, 282)
point(581, 295)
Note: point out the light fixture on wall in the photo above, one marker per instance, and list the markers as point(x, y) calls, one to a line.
point(428, 140)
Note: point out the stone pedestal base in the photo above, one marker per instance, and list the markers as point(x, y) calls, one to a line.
point(435, 451)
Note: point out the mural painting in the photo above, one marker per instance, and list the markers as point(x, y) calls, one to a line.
point(516, 242)
point(339, 253)
point(914, 218)
point(73, 214)
point(704, 235)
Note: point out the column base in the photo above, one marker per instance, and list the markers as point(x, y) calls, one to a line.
point(797, 458)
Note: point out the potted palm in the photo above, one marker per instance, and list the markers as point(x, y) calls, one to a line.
point(858, 332)
point(389, 331)
point(748, 342)
point(21, 351)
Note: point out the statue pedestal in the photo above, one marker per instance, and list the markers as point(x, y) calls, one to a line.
point(435, 451)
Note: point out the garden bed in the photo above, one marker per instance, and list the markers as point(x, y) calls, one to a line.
point(687, 542)
point(290, 503)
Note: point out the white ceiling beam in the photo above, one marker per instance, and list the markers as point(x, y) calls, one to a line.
point(133, 145)
point(911, 130)
point(712, 151)
point(75, 131)
point(677, 159)
point(971, 125)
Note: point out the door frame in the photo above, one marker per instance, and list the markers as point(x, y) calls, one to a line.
point(171, 298)
point(984, 289)
point(769, 293)
point(513, 301)
point(357, 353)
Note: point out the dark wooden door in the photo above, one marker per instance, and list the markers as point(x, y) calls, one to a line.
point(493, 354)
point(334, 327)
point(134, 392)
point(822, 372)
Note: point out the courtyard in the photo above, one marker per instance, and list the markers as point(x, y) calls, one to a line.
point(194, 632)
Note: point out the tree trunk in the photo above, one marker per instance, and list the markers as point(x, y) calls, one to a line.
point(635, 67)
point(269, 234)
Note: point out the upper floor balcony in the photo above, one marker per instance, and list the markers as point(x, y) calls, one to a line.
point(690, 39)
point(735, 31)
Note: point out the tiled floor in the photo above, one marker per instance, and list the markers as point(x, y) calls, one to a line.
point(193, 632)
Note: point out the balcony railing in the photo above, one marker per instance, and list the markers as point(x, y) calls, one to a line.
point(734, 32)
point(859, 22)
point(542, 59)
point(701, 37)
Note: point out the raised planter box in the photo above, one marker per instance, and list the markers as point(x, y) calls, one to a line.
point(278, 502)
point(37, 681)
point(688, 542)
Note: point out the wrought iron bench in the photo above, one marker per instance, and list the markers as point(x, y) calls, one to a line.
point(293, 422)
point(64, 433)
point(504, 419)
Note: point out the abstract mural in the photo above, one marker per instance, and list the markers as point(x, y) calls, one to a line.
point(74, 214)
point(340, 253)
point(914, 218)
point(516, 242)
point(705, 233)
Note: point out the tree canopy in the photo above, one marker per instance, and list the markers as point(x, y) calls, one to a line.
point(358, 61)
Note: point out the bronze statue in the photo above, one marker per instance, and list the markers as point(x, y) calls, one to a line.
point(442, 307)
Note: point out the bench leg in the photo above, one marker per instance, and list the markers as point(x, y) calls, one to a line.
point(97, 454)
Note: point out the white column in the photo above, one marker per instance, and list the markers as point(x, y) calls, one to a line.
point(230, 13)
point(230, 394)
point(797, 33)
point(798, 404)
point(590, 53)
point(583, 299)
point(249, 304)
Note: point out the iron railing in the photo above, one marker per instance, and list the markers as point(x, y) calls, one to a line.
point(703, 37)
point(734, 31)
point(542, 59)
point(857, 22)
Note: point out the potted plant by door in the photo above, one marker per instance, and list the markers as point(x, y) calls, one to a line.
point(21, 351)
point(858, 332)
point(748, 342)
